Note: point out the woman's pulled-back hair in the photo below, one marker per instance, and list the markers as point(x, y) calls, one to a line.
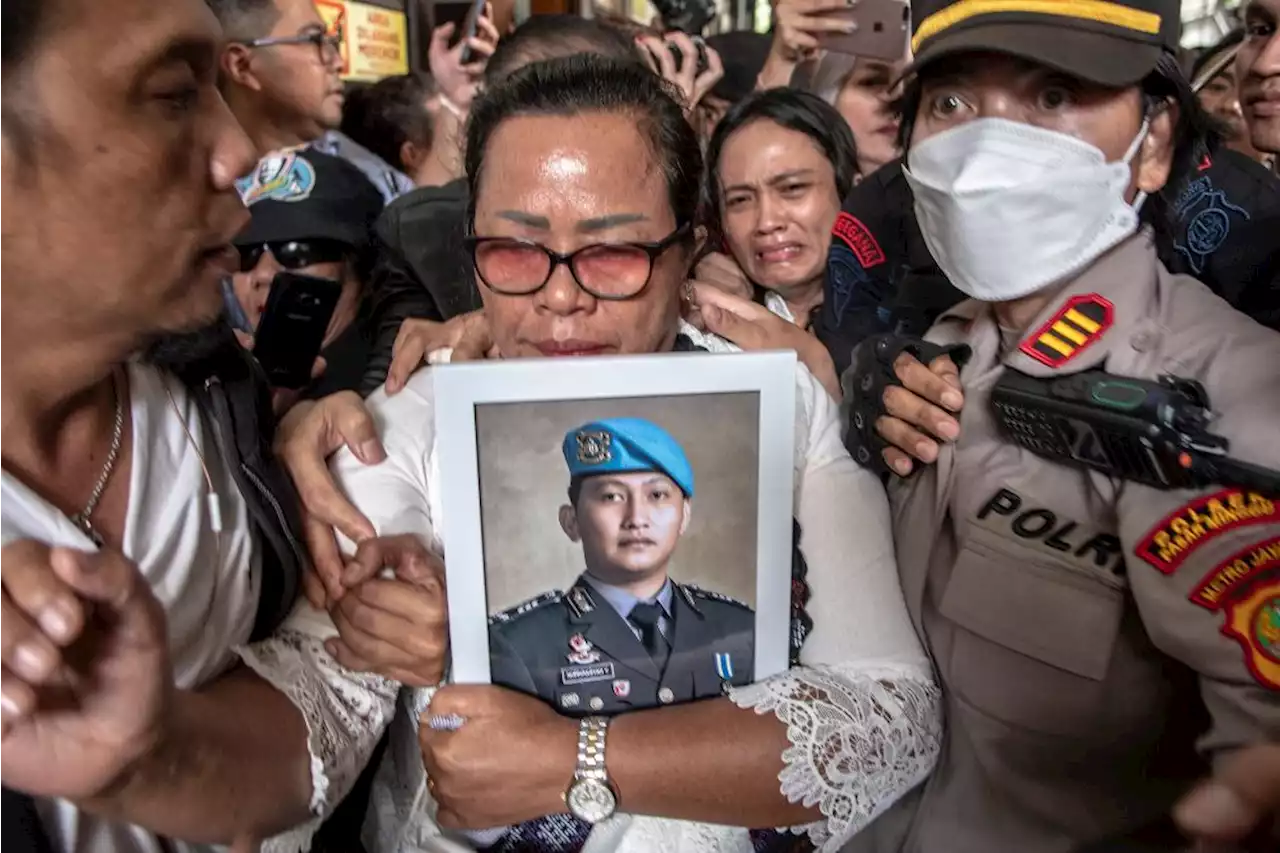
point(543, 37)
point(588, 83)
point(803, 112)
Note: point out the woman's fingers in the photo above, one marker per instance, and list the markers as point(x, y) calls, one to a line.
point(409, 350)
point(326, 559)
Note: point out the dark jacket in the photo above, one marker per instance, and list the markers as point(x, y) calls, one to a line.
point(422, 269)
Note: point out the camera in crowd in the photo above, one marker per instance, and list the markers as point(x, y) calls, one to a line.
point(687, 16)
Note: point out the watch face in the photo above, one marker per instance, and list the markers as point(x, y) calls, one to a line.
point(591, 800)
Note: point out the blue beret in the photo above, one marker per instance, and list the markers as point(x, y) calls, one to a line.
point(623, 445)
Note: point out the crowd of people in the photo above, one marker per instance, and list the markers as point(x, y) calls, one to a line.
point(225, 621)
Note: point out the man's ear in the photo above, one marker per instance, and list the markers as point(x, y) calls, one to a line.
point(1155, 155)
point(411, 157)
point(688, 513)
point(569, 523)
point(237, 66)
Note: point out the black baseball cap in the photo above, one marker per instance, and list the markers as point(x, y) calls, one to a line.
point(1108, 42)
point(303, 194)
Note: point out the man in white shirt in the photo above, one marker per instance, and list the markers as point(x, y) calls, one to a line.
point(144, 530)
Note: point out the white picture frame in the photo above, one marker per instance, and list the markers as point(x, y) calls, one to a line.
point(461, 390)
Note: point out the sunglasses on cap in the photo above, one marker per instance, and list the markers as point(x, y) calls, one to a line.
point(293, 254)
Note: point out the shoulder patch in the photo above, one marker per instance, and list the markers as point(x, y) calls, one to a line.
point(527, 607)
point(858, 237)
point(1078, 323)
point(1205, 217)
point(1191, 525)
point(1225, 578)
point(1253, 620)
point(698, 593)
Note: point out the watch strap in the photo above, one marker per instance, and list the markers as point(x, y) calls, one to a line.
point(592, 734)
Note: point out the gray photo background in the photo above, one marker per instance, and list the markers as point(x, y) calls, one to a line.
point(524, 482)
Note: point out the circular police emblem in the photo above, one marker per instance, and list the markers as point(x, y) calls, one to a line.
point(1207, 231)
point(1266, 628)
point(594, 447)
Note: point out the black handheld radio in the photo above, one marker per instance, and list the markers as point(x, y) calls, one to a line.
point(1155, 433)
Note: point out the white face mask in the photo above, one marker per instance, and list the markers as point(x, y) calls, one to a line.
point(1008, 209)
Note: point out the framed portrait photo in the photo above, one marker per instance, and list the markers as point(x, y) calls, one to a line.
point(619, 529)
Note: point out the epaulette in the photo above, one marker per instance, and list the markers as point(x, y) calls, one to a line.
point(691, 592)
point(527, 607)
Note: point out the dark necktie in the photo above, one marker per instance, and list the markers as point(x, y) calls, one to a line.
point(645, 617)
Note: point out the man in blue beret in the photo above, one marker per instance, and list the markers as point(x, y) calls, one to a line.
point(625, 635)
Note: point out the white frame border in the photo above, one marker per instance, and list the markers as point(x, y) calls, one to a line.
point(459, 388)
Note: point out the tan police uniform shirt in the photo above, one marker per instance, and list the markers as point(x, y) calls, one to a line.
point(1083, 626)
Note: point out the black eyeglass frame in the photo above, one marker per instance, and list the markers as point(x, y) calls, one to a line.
point(654, 250)
point(320, 38)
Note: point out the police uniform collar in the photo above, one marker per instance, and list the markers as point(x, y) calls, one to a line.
point(687, 594)
point(1092, 315)
point(579, 600)
point(622, 601)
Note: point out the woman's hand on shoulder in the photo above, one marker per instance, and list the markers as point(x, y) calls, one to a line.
point(751, 326)
point(306, 437)
point(723, 273)
point(466, 334)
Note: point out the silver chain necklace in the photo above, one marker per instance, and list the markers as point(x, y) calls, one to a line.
point(82, 518)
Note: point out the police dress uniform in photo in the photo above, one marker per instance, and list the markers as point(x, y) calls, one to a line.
point(1098, 641)
point(595, 648)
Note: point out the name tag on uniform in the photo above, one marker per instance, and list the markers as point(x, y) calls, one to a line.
point(586, 674)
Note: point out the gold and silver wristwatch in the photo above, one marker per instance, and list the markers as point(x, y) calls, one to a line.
point(591, 796)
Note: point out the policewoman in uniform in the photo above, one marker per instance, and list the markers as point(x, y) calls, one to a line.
point(1098, 641)
point(624, 635)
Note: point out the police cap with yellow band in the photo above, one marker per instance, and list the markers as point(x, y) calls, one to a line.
point(624, 446)
point(1108, 42)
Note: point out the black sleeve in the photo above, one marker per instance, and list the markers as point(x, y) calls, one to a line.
point(395, 293)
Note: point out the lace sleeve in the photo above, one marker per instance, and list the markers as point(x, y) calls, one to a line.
point(346, 712)
point(860, 739)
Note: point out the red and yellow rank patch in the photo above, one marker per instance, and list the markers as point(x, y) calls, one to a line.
point(1078, 323)
point(1184, 530)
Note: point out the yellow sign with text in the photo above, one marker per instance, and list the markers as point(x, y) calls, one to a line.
point(375, 40)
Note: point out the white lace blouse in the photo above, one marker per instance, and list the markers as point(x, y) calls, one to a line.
point(861, 711)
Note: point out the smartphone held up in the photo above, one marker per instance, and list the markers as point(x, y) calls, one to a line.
point(882, 29)
point(293, 325)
